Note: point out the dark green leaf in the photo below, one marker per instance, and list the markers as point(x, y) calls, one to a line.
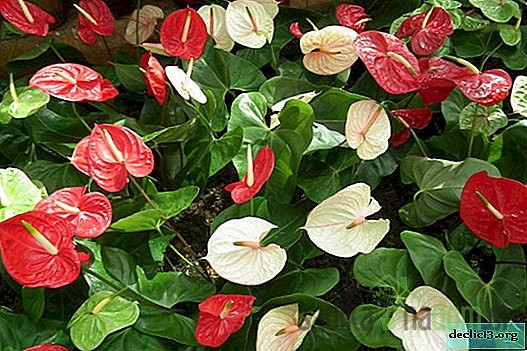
point(167, 324)
point(33, 301)
point(369, 324)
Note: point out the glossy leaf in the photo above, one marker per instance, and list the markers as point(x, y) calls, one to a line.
point(18, 194)
point(29, 101)
point(369, 324)
point(482, 119)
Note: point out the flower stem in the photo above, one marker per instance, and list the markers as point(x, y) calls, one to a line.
point(12, 88)
point(110, 55)
point(56, 52)
point(77, 114)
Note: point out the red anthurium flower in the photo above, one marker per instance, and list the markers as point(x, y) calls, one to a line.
point(257, 174)
point(94, 18)
point(428, 30)
point(389, 61)
point(90, 214)
point(184, 34)
point(486, 88)
point(495, 209)
point(47, 347)
point(27, 17)
point(352, 16)
point(221, 316)
point(38, 251)
point(110, 154)
point(436, 81)
point(155, 78)
point(415, 118)
point(73, 82)
point(294, 28)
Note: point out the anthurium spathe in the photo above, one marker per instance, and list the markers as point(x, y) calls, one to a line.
point(110, 154)
point(339, 224)
point(329, 50)
point(73, 82)
point(236, 254)
point(94, 18)
point(183, 83)
point(368, 129)
point(352, 16)
point(143, 24)
point(184, 34)
point(47, 347)
point(216, 22)
point(389, 61)
point(38, 251)
point(280, 329)
point(249, 24)
point(18, 194)
point(426, 328)
point(413, 118)
point(495, 209)
point(428, 30)
point(154, 77)
point(294, 29)
point(258, 172)
point(90, 214)
point(27, 17)
point(221, 316)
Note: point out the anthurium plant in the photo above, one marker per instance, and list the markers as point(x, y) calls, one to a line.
point(255, 177)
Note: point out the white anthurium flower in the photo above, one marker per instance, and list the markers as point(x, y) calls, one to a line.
point(338, 225)
point(234, 252)
point(368, 129)
point(214, 17)
point(276, 108)
point(145, 26)
point(249, 24)
point(278, 329)
point(270, 6)
point(184, 85)
point(426, 330)
point(329, 50)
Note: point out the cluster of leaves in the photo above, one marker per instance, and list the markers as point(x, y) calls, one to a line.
point(322, 125)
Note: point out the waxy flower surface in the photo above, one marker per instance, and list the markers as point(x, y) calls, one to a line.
point(368, 129)
point(485, 88)
point(139, 31)
point(184, 85)
point(73, 82)
point(414, 118)
point(495, 209)
point(279, 329)
point(428, 30)
point(90, 214)
point(110, 154)
point(329, 50)
point(155, 77)
point(47, 347)
point(94, 18)
point(236, 254)
point(26, 16)
point(216, 22)
point(339, 224)
point(221, 316)
point(258, 172)
point(432, 309)
point(184, 34)
point(249, 24)
point(38, 251)
point(352, 16)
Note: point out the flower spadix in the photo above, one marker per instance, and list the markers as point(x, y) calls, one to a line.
point(495, 209)
point(339, 224)
point(183, 83)
point(280, 329)
point(94, 18)
point(249, 24)
point(38, 251)
point(368, 129)
point(215, 20)
point(426, 329)
point(329, 50)
point(184, 34)
point(236, 254)
point(27, 17)
point(141, 26)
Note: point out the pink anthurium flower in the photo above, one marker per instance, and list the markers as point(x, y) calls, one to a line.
point(94, 18)
point(38, 251)
point(258, 172)
point(221, 316)
point(184, 34)
point(27, 17)
point(352, 16)
point(155, 77)
point(294, 29)
point(90, 214)
point(47, 347)
point(110, 154)
point(389, 61)
point(495, 209)
point(415, 118)
point(428, 30)
point(145, 27)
